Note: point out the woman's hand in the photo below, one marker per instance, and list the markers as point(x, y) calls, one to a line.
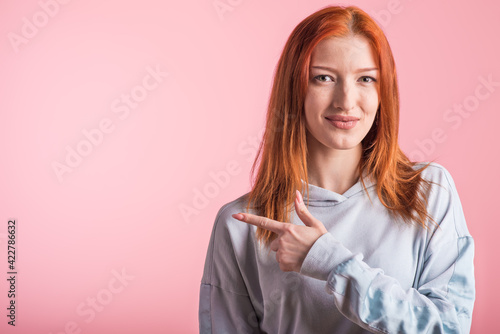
point(293, 241)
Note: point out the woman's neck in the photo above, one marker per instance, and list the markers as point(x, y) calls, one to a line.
point(334, 170)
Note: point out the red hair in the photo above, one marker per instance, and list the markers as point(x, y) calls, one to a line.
point(283, 149)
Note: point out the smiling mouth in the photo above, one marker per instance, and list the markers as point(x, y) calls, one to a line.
point(343, 122)
point(342, 118)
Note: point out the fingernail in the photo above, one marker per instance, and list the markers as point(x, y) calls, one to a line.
point(238, 216)
point(299, 196)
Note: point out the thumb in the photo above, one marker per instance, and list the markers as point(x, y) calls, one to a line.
point(307, 218)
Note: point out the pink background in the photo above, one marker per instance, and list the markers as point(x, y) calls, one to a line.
point(120, 206)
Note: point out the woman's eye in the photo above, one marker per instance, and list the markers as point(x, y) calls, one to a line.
point(370, 79)
point(318, 77)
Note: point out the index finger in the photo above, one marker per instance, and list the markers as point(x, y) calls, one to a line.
point(259, 221)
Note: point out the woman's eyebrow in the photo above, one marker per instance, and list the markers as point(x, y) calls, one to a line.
point(357, 71)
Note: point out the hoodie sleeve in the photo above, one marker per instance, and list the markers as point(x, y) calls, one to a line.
point(440, 302)
point(224, 304)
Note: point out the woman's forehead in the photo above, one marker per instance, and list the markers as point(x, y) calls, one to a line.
point(353, 51)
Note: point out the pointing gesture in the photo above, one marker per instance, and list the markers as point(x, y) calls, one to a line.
point(293, 241)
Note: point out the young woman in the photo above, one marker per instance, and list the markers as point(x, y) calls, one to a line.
point(377, 243)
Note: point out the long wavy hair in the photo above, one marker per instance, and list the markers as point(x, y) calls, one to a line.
point(283, 150)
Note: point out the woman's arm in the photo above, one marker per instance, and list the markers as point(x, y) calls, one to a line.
point(440, 302)
point(225, 306)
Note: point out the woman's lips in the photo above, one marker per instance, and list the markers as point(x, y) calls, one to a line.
point(343, 122)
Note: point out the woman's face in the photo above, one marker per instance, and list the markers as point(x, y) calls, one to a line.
point(342, 96)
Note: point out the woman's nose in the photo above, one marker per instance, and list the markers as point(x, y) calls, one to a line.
point(344, 96)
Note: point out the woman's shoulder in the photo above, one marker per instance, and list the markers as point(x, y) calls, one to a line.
point(224, 222)
point(443, 200)
point(236, 205)
point(435, 173)
point(439, 178)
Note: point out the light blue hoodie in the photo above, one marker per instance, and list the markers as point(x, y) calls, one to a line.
point(369, 274)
